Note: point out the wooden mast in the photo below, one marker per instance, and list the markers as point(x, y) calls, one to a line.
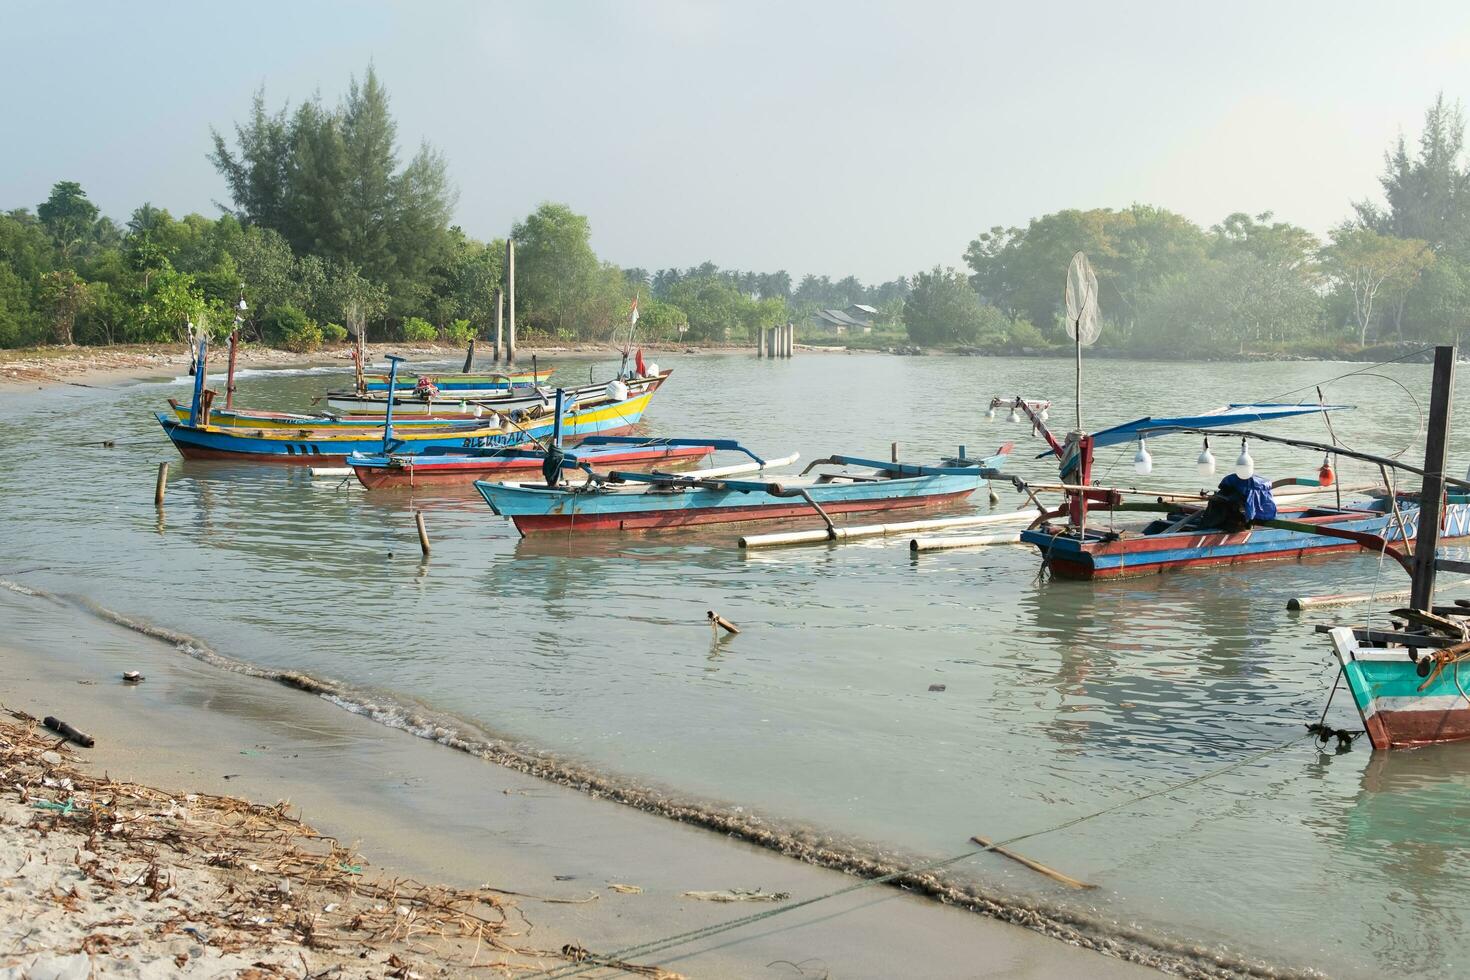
point(1431, 495)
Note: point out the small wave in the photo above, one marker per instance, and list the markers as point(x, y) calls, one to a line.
point(856, 857)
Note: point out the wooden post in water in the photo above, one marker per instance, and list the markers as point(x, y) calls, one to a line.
point(510, 301)
point(499, 325)
point(790, 340)
point(418, 518)
point(893, 450)
point(1431, 495)
point(230, 378)
point(469, 358)
point(760, 343)
point(161, 485)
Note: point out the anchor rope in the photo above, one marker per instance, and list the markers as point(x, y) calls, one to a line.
point(599, 961)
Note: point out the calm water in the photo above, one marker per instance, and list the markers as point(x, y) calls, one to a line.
point(1061, 697)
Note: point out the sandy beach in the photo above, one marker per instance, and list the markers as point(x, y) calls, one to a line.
point(515, 869)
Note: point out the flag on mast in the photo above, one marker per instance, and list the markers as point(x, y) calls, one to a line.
point(635, 312)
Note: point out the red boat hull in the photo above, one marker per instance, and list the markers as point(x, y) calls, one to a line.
point(430, 473)
point(1406, 729)
point(653, 521)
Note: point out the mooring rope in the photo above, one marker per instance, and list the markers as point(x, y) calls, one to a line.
point(599, 961)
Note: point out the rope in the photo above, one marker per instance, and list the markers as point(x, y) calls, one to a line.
point(680, 939)
point(1362, 370)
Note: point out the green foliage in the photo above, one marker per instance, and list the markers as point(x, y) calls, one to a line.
point(290, 328)
point(459, 332)
point(419, 331)
point(716, 310)
point(661, 321)
point(561, 286)
point(334, 333)
point(943, 309)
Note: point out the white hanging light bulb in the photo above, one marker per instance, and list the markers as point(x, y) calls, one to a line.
point(1015, 414)
point(1206, 461)
point(1044, 414)
point(1143, 463)
point(1245, 466)
point(990, 412)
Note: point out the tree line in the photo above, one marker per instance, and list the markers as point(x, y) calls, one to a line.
point(1390, 272)
point(328, 231)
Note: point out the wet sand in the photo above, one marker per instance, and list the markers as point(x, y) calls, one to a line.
point(415, 808)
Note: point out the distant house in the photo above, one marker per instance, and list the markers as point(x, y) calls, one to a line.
point(857, 318)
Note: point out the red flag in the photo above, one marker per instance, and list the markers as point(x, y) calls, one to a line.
point(638, 363)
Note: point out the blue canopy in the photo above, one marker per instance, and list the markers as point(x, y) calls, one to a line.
point(1218, 419)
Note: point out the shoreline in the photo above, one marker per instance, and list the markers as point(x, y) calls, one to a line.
point(450, 817)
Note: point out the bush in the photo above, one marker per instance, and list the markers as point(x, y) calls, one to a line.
point(459, 332)
point(419, 331)
point(291, 329)
point(334, 332)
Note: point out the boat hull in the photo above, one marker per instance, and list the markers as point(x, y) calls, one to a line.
point(323, 446)
point(395, 473)
point(1094, 558)
point(539, 510)
point(1400, 707)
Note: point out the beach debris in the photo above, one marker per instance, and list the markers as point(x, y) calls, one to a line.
point(623, 889)
point(579, 954)
point(1036, 866)
point(739, 895)
point(718, 622)
point(936, 687)
point(132, 677)
point(67, 732)
point(252, 884)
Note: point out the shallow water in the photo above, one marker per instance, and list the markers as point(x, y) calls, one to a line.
point(1061, 697)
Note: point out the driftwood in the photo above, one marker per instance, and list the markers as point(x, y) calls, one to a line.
point(67, 732)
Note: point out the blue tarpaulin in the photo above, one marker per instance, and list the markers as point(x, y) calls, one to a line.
point(1254, 494)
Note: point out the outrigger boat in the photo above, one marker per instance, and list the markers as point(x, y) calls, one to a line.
point(196, 438)
point(392, 471)
point(412, 406)
point(1406, 681)
point(421, 414)
point(623, 500)
point(1189, 535)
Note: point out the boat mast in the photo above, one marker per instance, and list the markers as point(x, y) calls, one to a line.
point(1432, 492)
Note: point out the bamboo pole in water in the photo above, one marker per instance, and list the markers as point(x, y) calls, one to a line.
point(942, 543)
point(717, 621)
point(161, 485)
point(781, 539)
point(418, 518)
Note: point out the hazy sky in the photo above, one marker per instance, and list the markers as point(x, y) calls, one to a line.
point(838, 138)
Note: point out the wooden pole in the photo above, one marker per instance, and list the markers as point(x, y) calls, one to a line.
point(510, 301)
point(893, 452)
point(230, 377)
point(499, 325)
point(161, 485)
point(853, 532)
point(717, 621)
point(469, 358)
point(760, 343)
point(418, 518)
point(1431, 494)
point(1036, 866)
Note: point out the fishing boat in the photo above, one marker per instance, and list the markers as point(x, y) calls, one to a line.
point(1171, 545)
point(435, 467)
point(411, 406)
point(622, 500)
point(196, 438)
point(412, 413)
point(1407, 680)
point(467, 384)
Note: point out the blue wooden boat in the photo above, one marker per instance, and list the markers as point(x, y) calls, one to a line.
point(1409, 688)
point(643, 501)
point(196, 439)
